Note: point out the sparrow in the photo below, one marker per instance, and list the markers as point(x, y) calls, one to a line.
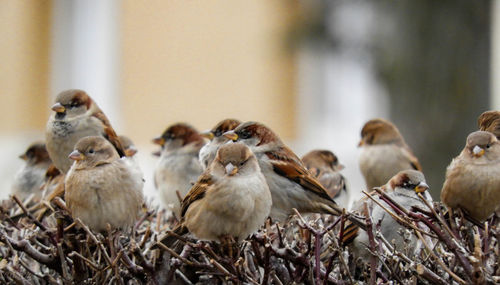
point(100, 187)
point(178, 166)
point(489, 121)
point(325, 167)
point(128, 145)
point(403, 189)
point(231, 197)
point(290, 183)
point(75, 116)
point(473, 177)
point(384, 153)
point(30, 178)
point(216, 139)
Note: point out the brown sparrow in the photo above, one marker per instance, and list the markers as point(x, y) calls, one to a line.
point(384, 153)
point(473, 178)
point(403, 189)
point(101, 188)
point(208, 151)
point(291, 185)
point(30, 178)
point(231, 198)
point(489, 121)
point(325, 166)
point(128, 146)
point(75, 116)
point(178, 166)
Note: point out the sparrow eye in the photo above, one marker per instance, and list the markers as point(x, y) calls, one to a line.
point(488, 146)
point(73, 104)
point(244, 134)
point(218, 133)
point(91, 150)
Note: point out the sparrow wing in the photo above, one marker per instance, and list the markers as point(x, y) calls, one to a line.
point(288, 165)
point(109, 133)
point(196, 192)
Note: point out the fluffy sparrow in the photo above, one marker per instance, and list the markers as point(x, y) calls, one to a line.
point(208, 151)
point(384, 153)
point(403, 189)
point(30, 178)
point(490, 121)
point(291, 185)
point(178, 166)
point(75, 116)
point(231, 197)
point(325, 166)
point(473, 178)
point(100, 187)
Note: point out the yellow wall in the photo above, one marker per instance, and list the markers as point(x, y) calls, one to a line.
point(203, 61)
point(24, 61)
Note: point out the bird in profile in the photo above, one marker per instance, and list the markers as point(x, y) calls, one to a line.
point(403, 189)
point(384, 153)
point(101, 188)
point(178, 166)
point(290, 183)
point(75, 116)
point(325, 167)
point(216, 139)
point(31, 176)
point(473, 177)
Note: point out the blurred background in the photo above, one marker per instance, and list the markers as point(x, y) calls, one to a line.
point(314, 71)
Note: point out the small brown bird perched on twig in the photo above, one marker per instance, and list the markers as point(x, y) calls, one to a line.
point(178, 167)
point(101, 188)
point(30, 178)
point(403, 189)
point(473, 178)
point(75, 116)
point(325, 166)
point(209, 150)
point(230, 199)
point(384, 153)
point(290, 183)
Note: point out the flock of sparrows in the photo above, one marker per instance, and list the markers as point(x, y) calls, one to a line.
point(227, 181)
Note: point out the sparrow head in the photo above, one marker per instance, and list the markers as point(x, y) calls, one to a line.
point(482, 143)
point(93, 151)
point(409, 180)
point(222, 127)
point(380, 131)
point(235, 159)
point(71, 103)
point(253, 134)
point(322, 159)
point(490, 121)
point(179, 135)
point(35, 154)
point(128, 146)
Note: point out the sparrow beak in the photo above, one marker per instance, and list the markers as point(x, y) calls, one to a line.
point(208, 135)
point(477, 151)
point(231, 135)
point(361, 143)
point(58, 108)
point(231, 169)
point(339, 167)
point(76, 155)
point(23, 156)
point(131, 151)
point(422, 187)
point(159, 141)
